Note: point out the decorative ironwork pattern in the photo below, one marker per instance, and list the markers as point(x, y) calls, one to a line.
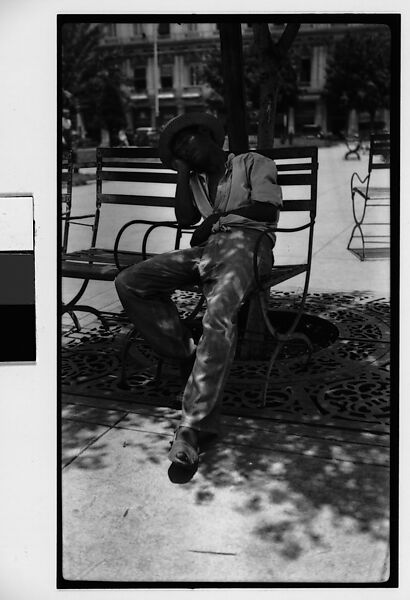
point(345, 384)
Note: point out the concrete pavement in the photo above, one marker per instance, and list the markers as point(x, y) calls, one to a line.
point(276, 503)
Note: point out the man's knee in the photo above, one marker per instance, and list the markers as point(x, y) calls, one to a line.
point(121, 283)
point(135, 280)
point(126, 280)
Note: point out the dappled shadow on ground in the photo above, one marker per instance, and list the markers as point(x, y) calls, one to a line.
point(295, 493)
point(293, 487)
point(345, 382)
point(293, 484)
point(76, 438)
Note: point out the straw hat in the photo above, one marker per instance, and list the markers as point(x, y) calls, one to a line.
point(181, 122)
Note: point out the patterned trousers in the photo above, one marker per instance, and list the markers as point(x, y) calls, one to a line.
point(223, 267)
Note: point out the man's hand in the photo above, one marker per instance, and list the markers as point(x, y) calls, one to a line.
point(202, 233)
point(180, 165)
point(186, 211)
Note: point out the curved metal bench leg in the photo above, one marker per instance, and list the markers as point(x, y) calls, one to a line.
point(196, 310)
point(358, 225)
point(281, 338)
point(74, 319)
point(123, 359)
point(93, 311)
point(279, 344)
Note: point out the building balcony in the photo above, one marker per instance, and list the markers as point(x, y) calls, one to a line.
point(163, 94)
point(192, 91)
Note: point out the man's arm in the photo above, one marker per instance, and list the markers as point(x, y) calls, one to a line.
point(266, 194)
point(186, 212)
point(258, 211)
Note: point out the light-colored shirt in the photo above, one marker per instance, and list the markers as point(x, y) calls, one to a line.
point(248, 178)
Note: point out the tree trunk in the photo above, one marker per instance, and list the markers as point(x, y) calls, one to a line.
point(267, 113)
point(271, 56)
point(234, 88)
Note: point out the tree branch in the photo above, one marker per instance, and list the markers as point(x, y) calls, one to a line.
point(264, 43)
point(262, 38)
point(287, 38)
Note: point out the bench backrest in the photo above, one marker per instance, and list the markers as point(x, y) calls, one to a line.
point(124, 176)
point(379, 153)
point(132, 165)
point(297, 168)
point(66, 192)
point(131, 176)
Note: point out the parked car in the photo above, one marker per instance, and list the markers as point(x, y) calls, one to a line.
point(146, 136)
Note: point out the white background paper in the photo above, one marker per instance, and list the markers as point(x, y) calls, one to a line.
point(28, 121)
point(16, 223)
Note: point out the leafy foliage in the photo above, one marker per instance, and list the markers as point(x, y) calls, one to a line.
point(91, 77)
point(358, 73)
point(253, 74)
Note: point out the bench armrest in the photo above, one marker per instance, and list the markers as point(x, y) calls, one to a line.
point(259, 281)
point(152, 226)
point(79, 216)
point(357, 176)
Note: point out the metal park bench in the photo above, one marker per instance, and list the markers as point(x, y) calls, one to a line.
point(368, 194)
point(297, 175)
point(66, 193)
point(117, 168)
point(354, 146)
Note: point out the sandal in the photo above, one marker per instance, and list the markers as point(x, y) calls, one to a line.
point(182, 452)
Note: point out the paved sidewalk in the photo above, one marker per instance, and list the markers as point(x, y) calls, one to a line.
point(278, 502)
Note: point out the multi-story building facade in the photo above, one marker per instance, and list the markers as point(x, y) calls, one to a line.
point(161, 65)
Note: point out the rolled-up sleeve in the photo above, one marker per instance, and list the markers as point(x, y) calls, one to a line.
point(262, 177)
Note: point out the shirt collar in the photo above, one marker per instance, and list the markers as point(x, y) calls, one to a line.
point(228, 163)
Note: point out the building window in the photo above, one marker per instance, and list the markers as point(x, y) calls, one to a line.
point(166, 77)
point(164, 29)
point(111, 29)
point(137, 29)
point(194, 74)
point(140, 79)
point(305, 64)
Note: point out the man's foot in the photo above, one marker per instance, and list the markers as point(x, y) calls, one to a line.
point(185, 449)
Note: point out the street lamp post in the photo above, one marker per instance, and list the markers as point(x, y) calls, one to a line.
point(156, 98)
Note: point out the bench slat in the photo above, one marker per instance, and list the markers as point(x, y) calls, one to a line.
point(134, 200)
point(97, 263)
point(138, 176)
point(130, 152)
point(297, 205)
point(303, 167)
point(134, 164)
point(282, 273)
point(295, 179)
point(169, 202)
point(145, 165)
point(290, 152)
point(384, 165)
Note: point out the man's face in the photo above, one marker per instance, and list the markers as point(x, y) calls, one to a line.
point(194, 148)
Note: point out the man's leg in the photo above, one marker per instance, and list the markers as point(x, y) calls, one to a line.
point(144, 290)
point(226, 270)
